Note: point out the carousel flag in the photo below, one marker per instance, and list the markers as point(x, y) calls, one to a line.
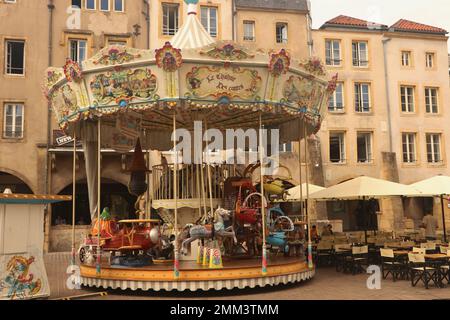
point(215, 258)
point(200, 254)
point(264, 260)
point(206, 254)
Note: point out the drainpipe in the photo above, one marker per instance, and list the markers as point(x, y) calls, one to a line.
point(147, 20)
point(388, 102)
point(233, 19)
point(309, 29)
point(48, 220)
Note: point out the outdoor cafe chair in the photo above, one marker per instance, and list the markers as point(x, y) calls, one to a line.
point(359, 258)
point(390, 264)
point(429, 247)
point(341, 251)
point(324, 253)
point(445, 267)
point(420, 270)
point(419, 250)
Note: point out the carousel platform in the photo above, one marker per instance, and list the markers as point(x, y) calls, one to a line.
point(239, 274)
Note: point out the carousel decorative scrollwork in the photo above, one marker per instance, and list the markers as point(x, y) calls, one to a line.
point(279, 63)
point(226, 51)
point(116, 55)
point(168, 58)
point(72, 71)
point(314, 66)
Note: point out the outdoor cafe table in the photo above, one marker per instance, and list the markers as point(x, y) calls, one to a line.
point(399, 247)
point(401, 252)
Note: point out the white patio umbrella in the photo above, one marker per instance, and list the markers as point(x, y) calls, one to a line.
point(293, 194)
point(364, 188)
point(438, 186)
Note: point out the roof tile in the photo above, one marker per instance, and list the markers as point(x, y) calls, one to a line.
point(347, 21)
point(411, 26)
point(296, 5)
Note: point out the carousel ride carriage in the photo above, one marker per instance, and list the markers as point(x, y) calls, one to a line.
point(122, 94)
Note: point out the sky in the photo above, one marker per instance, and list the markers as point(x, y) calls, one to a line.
point(431, 12)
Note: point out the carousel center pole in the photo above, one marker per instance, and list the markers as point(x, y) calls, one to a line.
point(73, 194)
point(300, 169)
point(263, 209)
point(209, 172)
point(202, 182)
point(176, 265)
point(99, 181)
point(148, 205)
point(310, 258)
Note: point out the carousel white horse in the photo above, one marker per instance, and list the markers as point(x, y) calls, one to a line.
point(197, 232)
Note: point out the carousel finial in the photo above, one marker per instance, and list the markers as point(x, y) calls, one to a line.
point(192, 6)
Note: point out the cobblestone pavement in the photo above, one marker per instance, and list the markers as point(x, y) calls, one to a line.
point(326, 285)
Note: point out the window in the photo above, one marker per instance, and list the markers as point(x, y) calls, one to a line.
point(409, 147)
point(112, 42)
point(249, 31)
point(333, 52)
point(430, 60)
point(360, 54)
point(170, 19)
point(362, 97)
point(119, 6)
point(104, 5)
point(337, 147)
point(282, 32)
point(15, 57)
point(406, 58)
point(407, 98)
point(76, 4)
point(433, 147)
point(13, 121)
point(336, 102)
point(286, 147)
point(209, 20)
point(91, 4)
point(364, 147)
point(431, 100)
point(78, 50)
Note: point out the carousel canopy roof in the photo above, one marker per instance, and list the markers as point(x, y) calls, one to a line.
point(224, 83)
point(192, 35)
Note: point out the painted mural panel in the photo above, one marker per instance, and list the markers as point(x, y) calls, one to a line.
point(123, 85)
point(228, 81)
point(23, 276)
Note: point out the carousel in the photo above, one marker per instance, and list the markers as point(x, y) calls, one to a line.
point(200, 223)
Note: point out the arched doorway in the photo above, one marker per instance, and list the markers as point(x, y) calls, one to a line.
point(14, 183)
point(113, 195)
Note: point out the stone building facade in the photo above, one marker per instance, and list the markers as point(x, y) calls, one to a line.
point(40, 33)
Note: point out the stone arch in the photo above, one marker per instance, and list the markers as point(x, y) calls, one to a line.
point(22, 184)
point(115, 195)
point(67, 180)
